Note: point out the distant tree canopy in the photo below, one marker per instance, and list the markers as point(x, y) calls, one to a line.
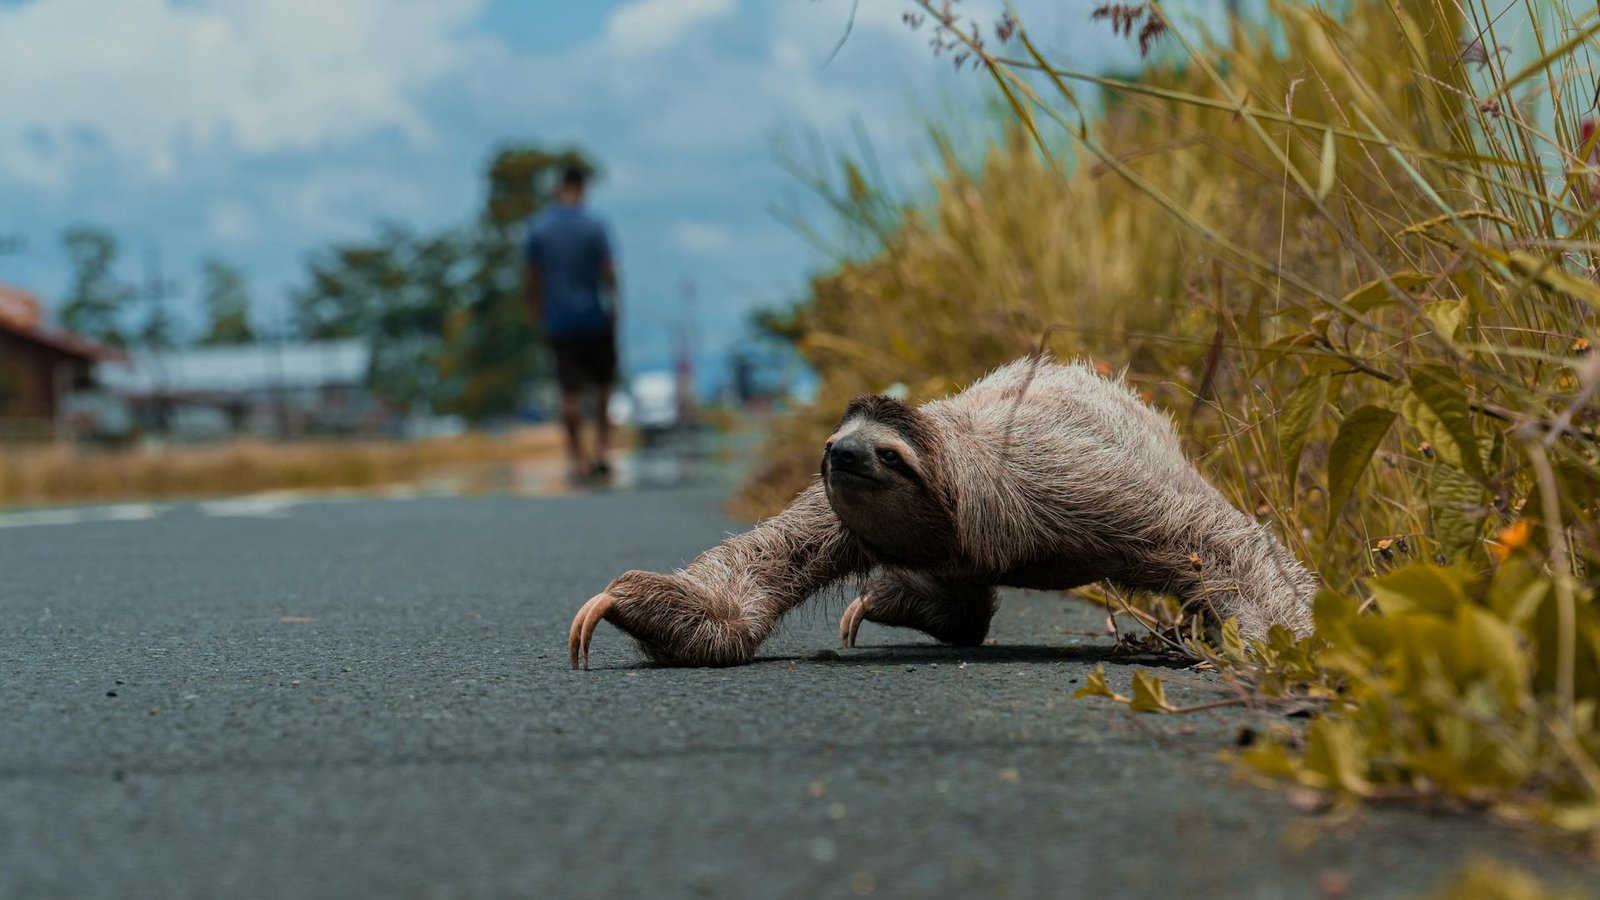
point(396, 292)
point(226, 296)
point(522, 180)
point(96, 300)
point(442, 311)
point(101, 304)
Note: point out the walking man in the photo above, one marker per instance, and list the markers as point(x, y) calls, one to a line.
point(571, 287)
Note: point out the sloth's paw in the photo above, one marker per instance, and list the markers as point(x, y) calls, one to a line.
point(644, 605)
point(858, 611)
point(584, 623)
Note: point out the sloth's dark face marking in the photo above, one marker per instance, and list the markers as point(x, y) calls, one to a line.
point(880, 471)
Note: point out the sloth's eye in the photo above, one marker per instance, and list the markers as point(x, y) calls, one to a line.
point(828, 446)
point(889, 457)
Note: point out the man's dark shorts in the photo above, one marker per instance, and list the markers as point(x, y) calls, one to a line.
point(584, 360)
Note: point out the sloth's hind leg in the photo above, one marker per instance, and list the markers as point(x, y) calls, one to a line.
point(951, 610)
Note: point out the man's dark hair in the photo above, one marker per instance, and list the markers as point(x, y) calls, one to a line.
point(574, 177)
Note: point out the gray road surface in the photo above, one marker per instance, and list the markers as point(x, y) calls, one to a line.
point(371, 699)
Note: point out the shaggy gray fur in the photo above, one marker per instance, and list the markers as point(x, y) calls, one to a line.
point(1040, 475)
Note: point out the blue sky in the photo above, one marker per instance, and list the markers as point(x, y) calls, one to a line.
point(258, 130)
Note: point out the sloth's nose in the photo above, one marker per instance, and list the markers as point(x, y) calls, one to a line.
point(848, 455)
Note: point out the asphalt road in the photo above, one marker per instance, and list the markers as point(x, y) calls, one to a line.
point(371, 699)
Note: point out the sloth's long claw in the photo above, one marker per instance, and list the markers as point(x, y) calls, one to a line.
point(850, 622)
point(584, 624)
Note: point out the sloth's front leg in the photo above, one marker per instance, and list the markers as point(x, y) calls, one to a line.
point(675, 621)
point(951, 610)
point(719, 608)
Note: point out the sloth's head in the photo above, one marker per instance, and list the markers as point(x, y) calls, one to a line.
point(882, 474)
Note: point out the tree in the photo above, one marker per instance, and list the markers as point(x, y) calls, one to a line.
point(397, 292)
point(226, 296)
point(159, 328)
point(97, 299)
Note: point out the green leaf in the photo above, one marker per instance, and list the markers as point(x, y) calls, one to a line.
point(1419, 588)
point(1549, 273)
point(1325, 176)
point(1330, 608)
point(1294, 422)
point(1457, 503)
point(1518, 589)
point(1447, 316)
point(857, 184)
point(1358, 437)
point(1270, 758)
point(1096, 686)
point(1335, 757)
point(1492, 646)
point(1435, 405)
point(1378, 293)
point(1232, 642)
point(1149, 694)
point(1282, 347)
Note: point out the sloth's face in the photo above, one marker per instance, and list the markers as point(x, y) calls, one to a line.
point(878, 483)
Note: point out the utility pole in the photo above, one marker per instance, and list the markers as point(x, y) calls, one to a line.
point(280, 411)
point(686, 348)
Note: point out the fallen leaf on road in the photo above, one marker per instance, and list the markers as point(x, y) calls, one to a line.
point(1307, 800)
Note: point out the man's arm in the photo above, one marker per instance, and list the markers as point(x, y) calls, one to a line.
point(608, 277)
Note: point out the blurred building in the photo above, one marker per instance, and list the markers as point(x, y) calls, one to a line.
point(40, 368)
point(269, 389)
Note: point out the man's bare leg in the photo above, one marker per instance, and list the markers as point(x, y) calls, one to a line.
point(572, 421)
point(602, 428)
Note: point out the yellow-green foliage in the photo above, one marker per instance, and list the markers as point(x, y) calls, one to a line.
point(1355, 259)
point(1481, 689)
point(1486, 879)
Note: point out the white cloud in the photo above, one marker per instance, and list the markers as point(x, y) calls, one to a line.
point(340, 202)
point(231, 220)
point(152, 117)
point(646, 25)
point(146, 79)
point(701, 237)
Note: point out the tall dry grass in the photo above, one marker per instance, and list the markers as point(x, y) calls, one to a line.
point(68, 474)
point(1354, 255)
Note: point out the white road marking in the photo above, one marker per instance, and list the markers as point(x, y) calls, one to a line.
point(249, 507)
point(122, 512)
point(263, 506)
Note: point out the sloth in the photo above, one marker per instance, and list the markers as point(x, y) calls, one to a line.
point(1040, 475)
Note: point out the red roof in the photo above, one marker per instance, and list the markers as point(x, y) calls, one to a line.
point(20, 316)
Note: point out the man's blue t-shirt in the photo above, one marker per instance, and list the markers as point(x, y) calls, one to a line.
point(569, 246)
